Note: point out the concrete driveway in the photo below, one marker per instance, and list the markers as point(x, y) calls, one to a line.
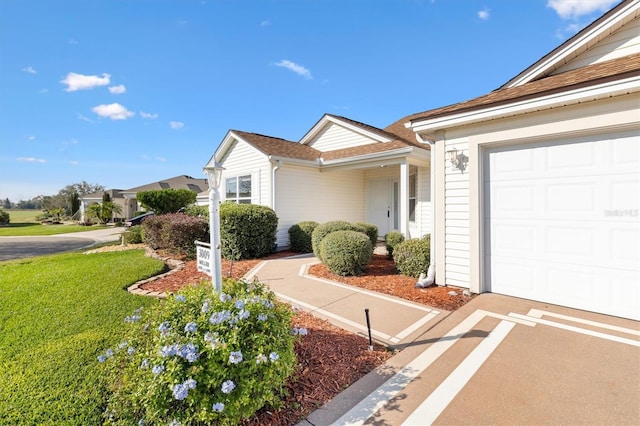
point(24, 247)
point(502, 360)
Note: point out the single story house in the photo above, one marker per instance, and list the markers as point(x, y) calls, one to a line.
point(127, 198)
point(532, 190)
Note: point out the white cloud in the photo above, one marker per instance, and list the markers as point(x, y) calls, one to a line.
point(161, 159)
point(117, 90)
point(113, 111)
point(574, 9)
point(72, 41)
point(298, 69)
point(29, 70)
point(83, 118)
point(31, 138)
point(265, 23)
point(31, 160)
point(73, 163)
point(81, 82)
point(176, 124)
point(148, 115)
point(484, 14)
point(43, 91)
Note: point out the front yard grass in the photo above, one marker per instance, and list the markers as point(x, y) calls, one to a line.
point(56, 314)
point(33, 229)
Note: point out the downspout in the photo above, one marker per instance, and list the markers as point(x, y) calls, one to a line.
point(278, 164)
point(430, 278)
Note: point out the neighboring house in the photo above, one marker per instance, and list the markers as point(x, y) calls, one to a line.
point(127, 198)
point(547, 207)
point(340, 170)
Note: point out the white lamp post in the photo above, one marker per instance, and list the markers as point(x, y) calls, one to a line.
point(214, 178)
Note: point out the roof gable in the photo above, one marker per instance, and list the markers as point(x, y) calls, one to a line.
point(362, 132)
point(581, 49)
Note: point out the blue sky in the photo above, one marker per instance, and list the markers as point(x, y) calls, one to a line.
point(125, 93)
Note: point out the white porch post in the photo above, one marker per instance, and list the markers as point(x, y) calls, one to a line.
point(404, 199)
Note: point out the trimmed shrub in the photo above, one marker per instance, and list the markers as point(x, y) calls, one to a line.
point(133, 235)
point(346, 252)
point(248, 231)
point(411, 257)
point(202, 357)
point(175, 232)
point(300, 236)
point(197, 211)
point(168, 200)
point(372, 232)
point(327, 228)
point(392, 239)
point(4, 217)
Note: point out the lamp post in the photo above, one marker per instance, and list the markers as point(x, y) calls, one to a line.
point(214, 177)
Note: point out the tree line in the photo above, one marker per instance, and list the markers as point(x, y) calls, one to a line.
point(66, 201)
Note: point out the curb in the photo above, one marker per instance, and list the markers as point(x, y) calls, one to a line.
point(173, 265)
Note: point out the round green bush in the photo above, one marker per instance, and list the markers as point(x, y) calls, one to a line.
point(133, 235)
point(327, 228)
point(201, 357)
point(392, 239)
point(411, 257)
point(372, 232)
point(300, 236)
point(4, 217)
point(346, 252)
point(248, 231)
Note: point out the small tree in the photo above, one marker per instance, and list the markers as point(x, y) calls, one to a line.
point(104, 211)
point(163, 201)
point(4, 217)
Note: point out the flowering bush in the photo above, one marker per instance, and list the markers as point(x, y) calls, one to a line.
point(202, 357)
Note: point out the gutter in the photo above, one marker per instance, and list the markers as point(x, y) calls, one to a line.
point(430, 278)
point(278, 164)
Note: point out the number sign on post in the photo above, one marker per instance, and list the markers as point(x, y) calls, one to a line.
point(204, 257)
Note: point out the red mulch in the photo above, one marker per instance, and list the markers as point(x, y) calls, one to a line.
point(329, 358)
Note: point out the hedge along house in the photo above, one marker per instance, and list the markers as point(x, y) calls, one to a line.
point(537, 184)
point(340, 170)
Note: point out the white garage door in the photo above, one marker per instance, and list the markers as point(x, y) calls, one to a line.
point(562, 222)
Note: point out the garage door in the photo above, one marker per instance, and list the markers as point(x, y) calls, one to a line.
point(562, 222)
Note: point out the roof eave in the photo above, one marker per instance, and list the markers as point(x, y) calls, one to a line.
point(331, 119)
point(518, 107)
point(376, 156)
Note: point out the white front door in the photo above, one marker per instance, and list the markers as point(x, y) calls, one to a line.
point(382, 201)
point(562, 222)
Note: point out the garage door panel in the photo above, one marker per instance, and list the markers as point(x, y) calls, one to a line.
point(565, 229)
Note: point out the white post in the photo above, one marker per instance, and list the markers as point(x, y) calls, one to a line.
point(214, 230)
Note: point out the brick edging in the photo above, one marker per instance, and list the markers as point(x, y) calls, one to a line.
point(174, 266)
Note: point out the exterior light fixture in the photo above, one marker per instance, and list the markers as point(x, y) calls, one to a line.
point(458, 159)
point(214, 179)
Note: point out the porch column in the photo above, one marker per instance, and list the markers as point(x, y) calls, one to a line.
point(404, 199)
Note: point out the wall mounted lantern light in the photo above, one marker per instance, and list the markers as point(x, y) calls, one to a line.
point(214, 179)
point(458, 159)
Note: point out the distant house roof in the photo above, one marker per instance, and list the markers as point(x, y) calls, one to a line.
point(178, 182)
point(113, 194)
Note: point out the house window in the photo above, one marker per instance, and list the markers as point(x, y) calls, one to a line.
point(238, 189)
point(412, 198)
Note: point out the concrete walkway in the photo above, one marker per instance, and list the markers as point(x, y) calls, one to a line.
point(496, 360)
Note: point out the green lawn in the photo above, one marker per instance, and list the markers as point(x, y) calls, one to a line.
point(26, 229)
point(57, 313)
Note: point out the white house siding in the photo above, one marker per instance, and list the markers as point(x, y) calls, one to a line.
point(456, 236)
point(623, 42)
point(243, 159)
point(305, 193)
point(334, 137)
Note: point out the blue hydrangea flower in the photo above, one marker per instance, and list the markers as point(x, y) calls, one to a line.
point(299, 331)
point(157, 369)
point(144, 364)
point(190, 383)
point(169, 350)
point(224, 297)
point(239, 304)
point(218, 407)
point(206, 306)
point(141, 422)
point(220, 317)
point(243, 314)
point(235, 357)
point(102, 358)
point(261, 358)
point(227, 386)
point(175, 423)
point(131, 350)
point(190, 327)
point(262, 317)
point(109, 352)
point(268, 304)
point(274, 356)
point(180, 391)
point(164, 328)
point(180, 298)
